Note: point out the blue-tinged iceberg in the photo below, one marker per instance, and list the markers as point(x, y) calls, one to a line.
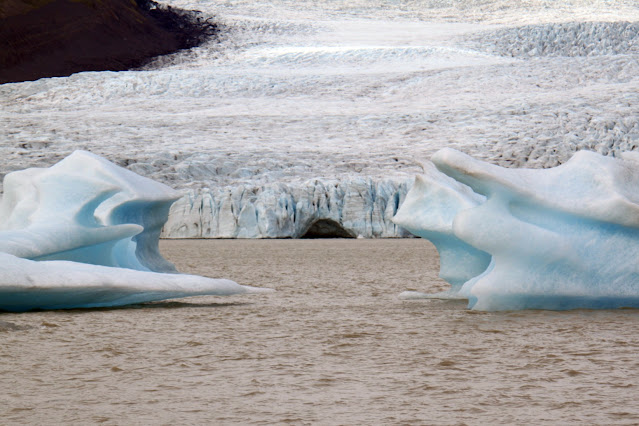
point(84, 233)
point(560, 238)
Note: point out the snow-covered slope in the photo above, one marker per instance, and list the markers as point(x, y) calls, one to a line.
point(302, 95)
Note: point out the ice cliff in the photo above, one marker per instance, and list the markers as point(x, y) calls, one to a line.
point(350, 208)
point(84, 233)
point(560, 238)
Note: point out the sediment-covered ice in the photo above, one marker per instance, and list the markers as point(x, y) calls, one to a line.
point(559, 238)
point(84, 233)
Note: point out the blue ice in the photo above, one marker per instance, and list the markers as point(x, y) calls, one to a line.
point(84, 233)
point(510, 239)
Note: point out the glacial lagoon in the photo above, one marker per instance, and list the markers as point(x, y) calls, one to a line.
point(331, 103)
point(333, 345)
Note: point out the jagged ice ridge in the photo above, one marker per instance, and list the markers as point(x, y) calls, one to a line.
point(357, 208)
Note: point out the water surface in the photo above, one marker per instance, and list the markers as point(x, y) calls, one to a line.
point(334, 345)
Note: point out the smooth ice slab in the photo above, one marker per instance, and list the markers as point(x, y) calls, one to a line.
point(27, 285)
point(560, 238)
point(84, 233)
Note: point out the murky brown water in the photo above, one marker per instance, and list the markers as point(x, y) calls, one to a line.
point(334, 345)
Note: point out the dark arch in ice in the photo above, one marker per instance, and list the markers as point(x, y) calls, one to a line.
point(327, 228)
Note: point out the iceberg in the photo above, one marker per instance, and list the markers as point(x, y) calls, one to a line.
point(509, 239)
point(84, 233)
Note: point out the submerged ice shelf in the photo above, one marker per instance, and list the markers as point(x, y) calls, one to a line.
point(560, 238)
point(84, 233)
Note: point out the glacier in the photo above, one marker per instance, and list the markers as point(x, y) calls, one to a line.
point(84, 233)
point(356, 208)
point(295, 97)
point(509, 239)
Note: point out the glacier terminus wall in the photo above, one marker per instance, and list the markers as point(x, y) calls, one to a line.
point(356, 208)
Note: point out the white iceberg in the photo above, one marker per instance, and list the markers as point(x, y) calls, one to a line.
point(560, 238)
point(84, 233)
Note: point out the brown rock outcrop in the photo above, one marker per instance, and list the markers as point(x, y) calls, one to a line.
point(53, 38)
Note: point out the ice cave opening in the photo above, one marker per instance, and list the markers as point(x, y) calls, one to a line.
point(327, 228)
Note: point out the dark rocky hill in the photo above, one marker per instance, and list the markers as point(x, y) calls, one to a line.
point(53, 38)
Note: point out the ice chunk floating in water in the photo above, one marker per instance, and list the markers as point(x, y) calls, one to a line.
point(560, 238)
point(84, 233)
